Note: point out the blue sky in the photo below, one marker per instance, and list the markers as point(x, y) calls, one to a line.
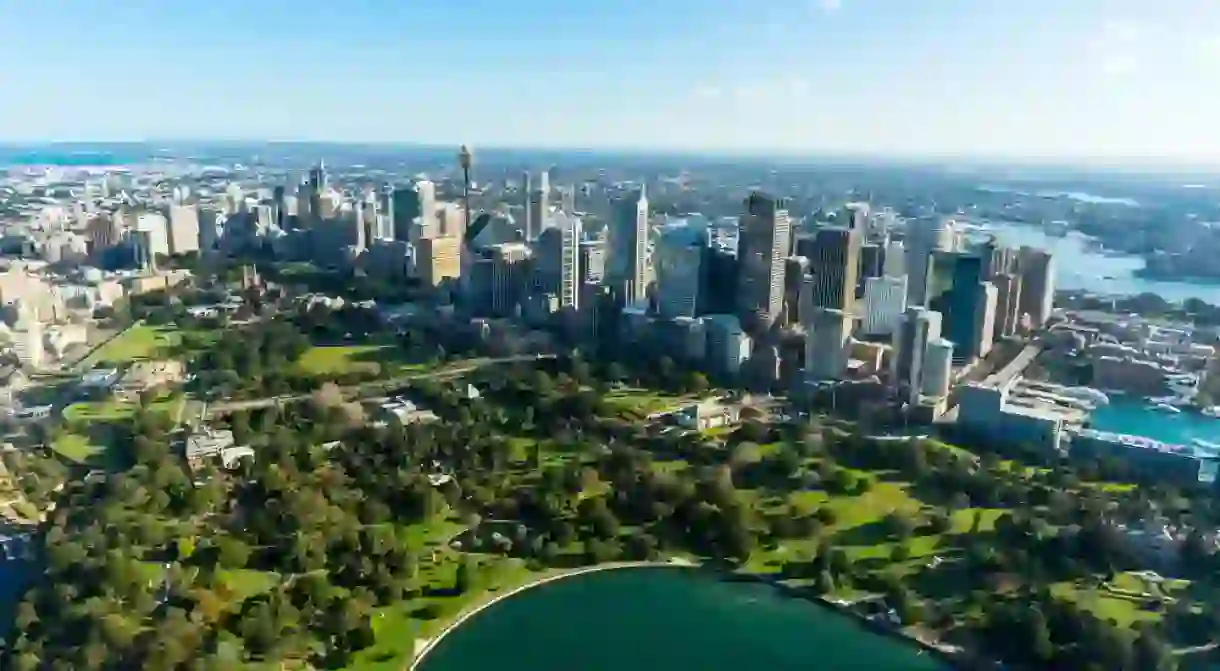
point(1038, 78)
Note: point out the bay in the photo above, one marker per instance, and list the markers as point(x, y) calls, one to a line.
point(666, 619)
point(1078, 267)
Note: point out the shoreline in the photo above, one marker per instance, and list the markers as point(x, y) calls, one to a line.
point(423, 646)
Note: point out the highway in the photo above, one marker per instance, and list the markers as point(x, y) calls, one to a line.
point(374, 388)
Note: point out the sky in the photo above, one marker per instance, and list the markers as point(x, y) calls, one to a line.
point(1089, 79)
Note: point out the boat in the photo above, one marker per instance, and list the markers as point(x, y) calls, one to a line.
point(1165, 407)
point(1206, 445)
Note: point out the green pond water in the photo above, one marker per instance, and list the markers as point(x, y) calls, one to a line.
point(667, 619)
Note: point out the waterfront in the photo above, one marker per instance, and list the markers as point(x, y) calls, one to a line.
point(1079, 267)
point(666, 618)
point(1131, 415)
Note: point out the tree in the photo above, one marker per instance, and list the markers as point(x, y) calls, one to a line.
point(464, 577)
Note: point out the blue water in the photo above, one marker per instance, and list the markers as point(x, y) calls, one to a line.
point(1078, 267)
point(1130, 415)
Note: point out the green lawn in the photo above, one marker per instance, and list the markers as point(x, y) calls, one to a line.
point(75, 447)
point(140, 342)
point(1123, 611)
point(643, 402)
point(398, 626)
point(328, 360)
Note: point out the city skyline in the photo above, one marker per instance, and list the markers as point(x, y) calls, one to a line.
point(1093, 80)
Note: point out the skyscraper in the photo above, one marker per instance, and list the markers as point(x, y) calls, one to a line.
point(924, 238)
point(527, 206)
point(983, 334)
point(826, 344)
point(417, 201)
point(540, 207)
point(569, 262)
point(628, 242)
point(679, 271)
point(438, 259)
point(937, 368)
point(885, 301)
point(510, 270)
point(763, 242)
point(183, 228)
point(919, 327)
point(834, 263)
point(1037, 270)
point(1008, 304)
point(964, 304)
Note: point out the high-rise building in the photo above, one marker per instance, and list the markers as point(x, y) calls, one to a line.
point(728, 346)
point(567, 200)
point(317, 177)
point(982, 336)
point(438, 259)
point(796, 298)
point(924, 238)
point(937, 368)
point(415, 211)
point(855, 216)
point(183, 228)
point(509, 275)
point(834, 265)
point(539, 207)
point(919, 327)
point(527, 206)
point(157, 228)
point(569, 260)
point(763, 246)
point(209, 233)
point(894, 263)
point(628, 246)
point(592, 260)
point(964, 304)
point(104, 232)
point(885, 301)
point(872, 261)
point(826, 344)
point(1037, 270)
point(679, 271)
point(1008, 304)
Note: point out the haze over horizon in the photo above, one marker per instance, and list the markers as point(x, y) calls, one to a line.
point(1092, 79)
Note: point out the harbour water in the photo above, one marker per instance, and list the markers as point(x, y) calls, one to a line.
point(1079, 267)
point(1131, 415)
point(664, 618)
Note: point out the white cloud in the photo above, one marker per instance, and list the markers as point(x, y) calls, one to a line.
point(708, 92)
point(830, 5)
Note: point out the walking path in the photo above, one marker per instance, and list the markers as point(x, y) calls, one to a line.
point(425, 645)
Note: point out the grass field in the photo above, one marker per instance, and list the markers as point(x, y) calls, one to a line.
point(87, 428)
point(75, 447)
point(328, 360)
point(140, 342)
point(643, 402)
point(1123, 611)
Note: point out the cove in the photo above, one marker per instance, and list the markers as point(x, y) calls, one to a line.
point(640, 619)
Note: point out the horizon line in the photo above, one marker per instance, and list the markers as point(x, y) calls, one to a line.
point(787, 153)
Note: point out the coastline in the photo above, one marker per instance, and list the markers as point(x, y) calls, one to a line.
point(424, 646)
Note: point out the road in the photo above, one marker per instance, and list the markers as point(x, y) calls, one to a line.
point(376, 387)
